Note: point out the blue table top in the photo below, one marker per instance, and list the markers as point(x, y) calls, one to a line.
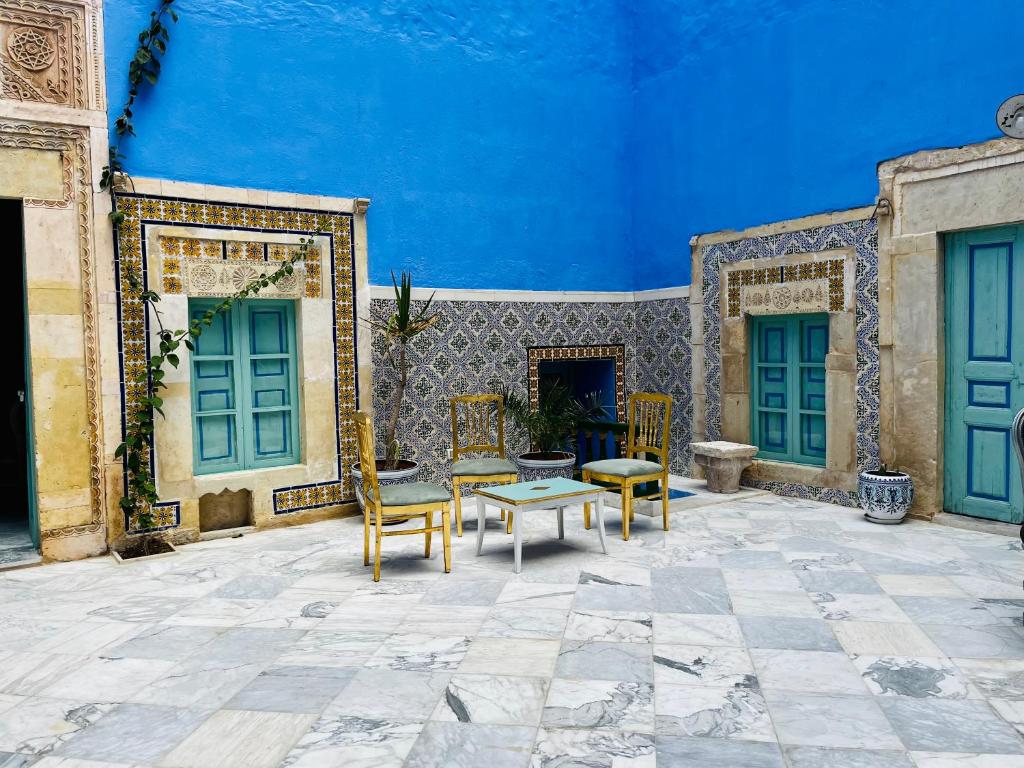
point(538, 490)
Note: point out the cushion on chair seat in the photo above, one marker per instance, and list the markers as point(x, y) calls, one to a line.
point(407, 494)
point(623, 467)
point(478, 467)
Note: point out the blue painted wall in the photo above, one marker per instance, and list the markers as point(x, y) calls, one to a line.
point(564, 144)
point(751, 112)
point(490, 135)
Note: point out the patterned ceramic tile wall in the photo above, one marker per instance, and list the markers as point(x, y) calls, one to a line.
point(863, 237)
point(479, 346)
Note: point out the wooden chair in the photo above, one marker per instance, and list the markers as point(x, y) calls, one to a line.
point(398, 503)
point(473, 416)
point(650, 416)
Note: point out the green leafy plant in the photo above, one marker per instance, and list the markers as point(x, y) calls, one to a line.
point(557, 418)
point(399, 328)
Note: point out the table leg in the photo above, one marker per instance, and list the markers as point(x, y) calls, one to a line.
point(517, 539)
point(481, 522)
point(600, 523)
point(561, 522)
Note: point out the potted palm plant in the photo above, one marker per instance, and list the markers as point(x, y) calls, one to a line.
point(551, 427)
point(398, 328)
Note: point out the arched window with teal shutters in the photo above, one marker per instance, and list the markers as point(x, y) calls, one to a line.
point(245, 387)
point(788, 387)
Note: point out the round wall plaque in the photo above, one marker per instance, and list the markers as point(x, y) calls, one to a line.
point(1010, 117)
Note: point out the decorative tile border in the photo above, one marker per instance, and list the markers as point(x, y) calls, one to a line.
point(770, 285)
point(142, 211)
point(615, 352)
point(297, 498)
point(862, 236)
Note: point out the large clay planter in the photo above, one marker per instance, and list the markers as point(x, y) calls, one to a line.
point(406, 473)
point(541, 466)
point(885, 496)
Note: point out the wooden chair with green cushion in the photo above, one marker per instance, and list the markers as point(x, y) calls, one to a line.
point(398, 503)
point(650, 416)
point(480, 420)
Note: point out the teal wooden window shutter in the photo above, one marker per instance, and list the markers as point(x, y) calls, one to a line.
point(244, 387)
point(788, 387)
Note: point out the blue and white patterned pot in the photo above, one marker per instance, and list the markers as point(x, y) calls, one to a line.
point(531, 469)
point(384, 477)
point(885, 497)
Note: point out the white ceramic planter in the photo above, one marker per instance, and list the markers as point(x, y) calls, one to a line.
point(384, 477)
point(885, 497)
point(539, 469)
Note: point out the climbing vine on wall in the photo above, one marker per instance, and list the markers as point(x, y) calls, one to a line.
point(136, 451)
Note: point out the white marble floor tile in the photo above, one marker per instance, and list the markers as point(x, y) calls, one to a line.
point(240, 739)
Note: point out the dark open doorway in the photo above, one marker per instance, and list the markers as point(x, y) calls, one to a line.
point(18, 527)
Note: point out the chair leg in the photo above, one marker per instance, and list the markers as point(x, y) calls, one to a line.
point(428, 524)
point(627, 509)
point(586, 504)
point(366, 538)
point(376, 557)
point(446, 536)
point(457, 494)
point(664, 501)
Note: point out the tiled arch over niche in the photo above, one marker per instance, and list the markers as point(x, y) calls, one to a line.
point(213, 220)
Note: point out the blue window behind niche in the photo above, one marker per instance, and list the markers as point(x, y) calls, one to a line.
point(244, 387)
point(788, 387)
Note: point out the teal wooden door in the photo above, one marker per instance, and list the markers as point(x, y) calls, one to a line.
point(984, 371)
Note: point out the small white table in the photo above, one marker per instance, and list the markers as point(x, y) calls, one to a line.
point(553, 493)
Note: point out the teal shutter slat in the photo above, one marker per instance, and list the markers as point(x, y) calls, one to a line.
point(788, 387)
point(244, 385)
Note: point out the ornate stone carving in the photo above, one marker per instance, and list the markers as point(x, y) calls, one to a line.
point(785, 298)
point(43, 52)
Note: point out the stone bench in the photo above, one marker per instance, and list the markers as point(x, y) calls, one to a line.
point(723, 463)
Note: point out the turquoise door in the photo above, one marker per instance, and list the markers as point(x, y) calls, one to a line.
point(984, 371)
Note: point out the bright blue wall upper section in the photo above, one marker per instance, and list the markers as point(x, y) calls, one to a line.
point(490, 135)
point(751, 112)
point(564, 144)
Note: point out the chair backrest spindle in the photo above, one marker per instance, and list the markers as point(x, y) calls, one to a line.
point(480, 419)
point(367, 454)
point(649, 419)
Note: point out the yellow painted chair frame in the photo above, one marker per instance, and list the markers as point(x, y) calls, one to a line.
point(375, 514)
point(471, 417)
point(649, 420)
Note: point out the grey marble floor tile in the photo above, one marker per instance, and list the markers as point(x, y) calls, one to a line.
point(246, 645)
point(36, 725)
point(858, 607)
point(450, 592)
point(703, 665)
point(511, 656)
point(135, 733)
point(492, 699)
point(996, 678)
point(961, 611)
point(529, 595)
point(685, 752)
point(788, 633)
point(966, 760)
point(919, 678)
point(796, 604)
point(690, 590)
point(751, 559)
point(515, 621)
point(614, 573)
point(148, 609)
point(820, 757)
point(920, 586)
point(724, 712)
point(240, 739)
point(465, 745)
point(108, 680)
point(609, 626)
point(773, 580)
point(354, 742)
point(562, 748)
point(808, 671)
point(421, 653)
point(319, 648)
point(697, 629)
point(602, 597)
point(938, 725)
point(163, 642)
point(449, 620)
point(831, 721)
point(383, 694)
point(604, 661)
point(198, 683)
point(251, 586)
point(611, 704)
point(987, 642)
point(801, 559)
point(843, 582)
point(303, 694)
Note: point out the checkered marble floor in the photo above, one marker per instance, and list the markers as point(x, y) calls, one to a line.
point(759, 633)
